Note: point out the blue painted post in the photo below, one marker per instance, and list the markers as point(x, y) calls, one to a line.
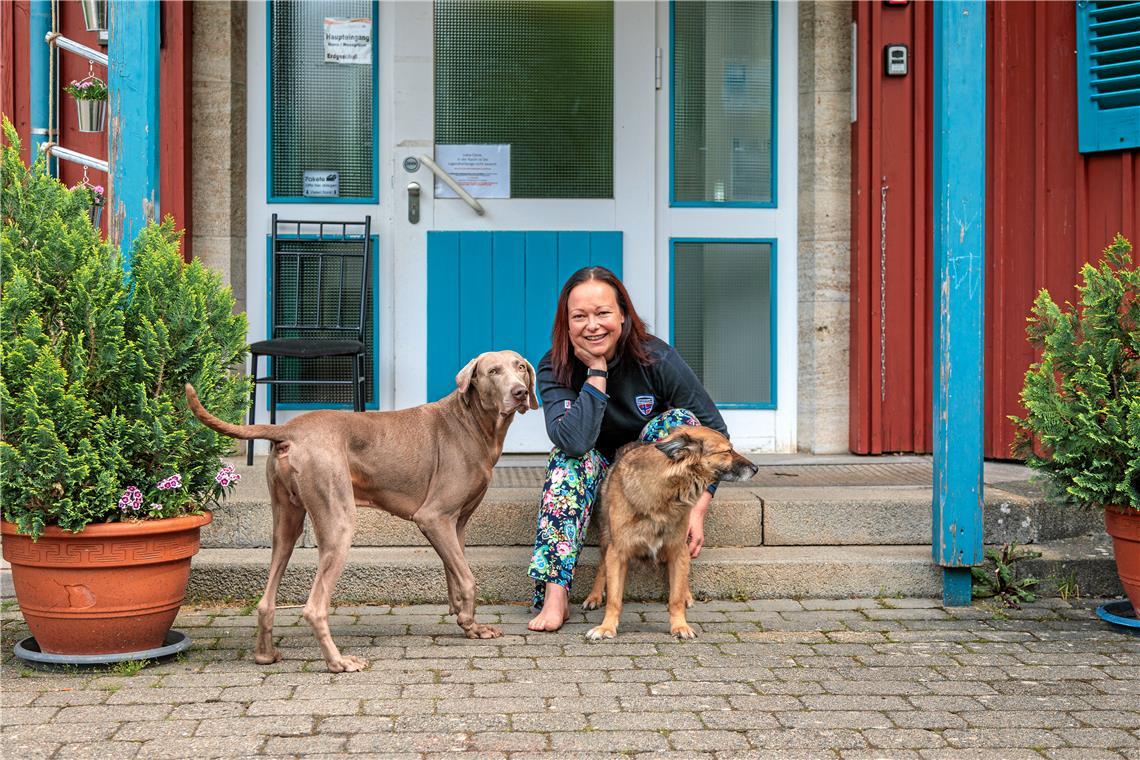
point(40, 53)
point(959, 257)
point(133, 31)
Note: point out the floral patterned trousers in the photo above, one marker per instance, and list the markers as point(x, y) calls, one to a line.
point(572, 486)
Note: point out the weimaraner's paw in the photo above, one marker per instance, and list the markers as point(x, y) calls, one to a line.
point(480, 631)
point(601, 632)
point(348, 664)
point(267, 658)
point(683, 631)
point(593, 602)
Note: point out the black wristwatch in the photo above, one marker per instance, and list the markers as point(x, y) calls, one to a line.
point(591, 372)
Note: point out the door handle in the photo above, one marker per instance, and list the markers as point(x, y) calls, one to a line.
point(413, 202)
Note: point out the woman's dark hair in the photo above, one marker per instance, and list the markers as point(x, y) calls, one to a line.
point(634, 335)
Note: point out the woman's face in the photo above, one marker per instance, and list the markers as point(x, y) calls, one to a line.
point(595, 318)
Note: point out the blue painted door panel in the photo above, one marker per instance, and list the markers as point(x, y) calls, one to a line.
point(489, 291)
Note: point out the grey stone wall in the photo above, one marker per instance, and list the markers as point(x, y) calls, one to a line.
point(218, 139)
point(824, 225)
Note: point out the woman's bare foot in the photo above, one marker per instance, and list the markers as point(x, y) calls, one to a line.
point(555, 610)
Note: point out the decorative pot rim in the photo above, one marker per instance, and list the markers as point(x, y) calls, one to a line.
point(114, 529)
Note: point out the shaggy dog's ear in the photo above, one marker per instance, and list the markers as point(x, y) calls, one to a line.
point(463, 379)
point(678, 446)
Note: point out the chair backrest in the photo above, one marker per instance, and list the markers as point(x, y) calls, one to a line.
point(320, 273)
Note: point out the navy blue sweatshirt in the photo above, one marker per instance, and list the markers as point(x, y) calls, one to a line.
point(580, 417)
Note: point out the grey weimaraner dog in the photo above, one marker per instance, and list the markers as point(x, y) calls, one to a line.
point(430, 464)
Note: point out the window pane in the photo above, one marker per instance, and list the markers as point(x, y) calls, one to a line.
point(722, 317)
point(722, 102)
point(534, 75)
point(321, 112)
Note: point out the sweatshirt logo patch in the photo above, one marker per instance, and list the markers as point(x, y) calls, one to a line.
point(645, 404)
point(568, 404)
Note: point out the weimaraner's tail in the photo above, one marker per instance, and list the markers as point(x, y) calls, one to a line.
point(269, 432)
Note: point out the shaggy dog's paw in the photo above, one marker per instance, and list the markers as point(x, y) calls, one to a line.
point(601, 632)
point(593, 602)
point(683, 632)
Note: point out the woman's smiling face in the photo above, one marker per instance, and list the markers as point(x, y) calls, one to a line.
point(595, 318)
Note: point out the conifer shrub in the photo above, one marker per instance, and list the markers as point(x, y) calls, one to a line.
point(94, 425)
point(1083, 397)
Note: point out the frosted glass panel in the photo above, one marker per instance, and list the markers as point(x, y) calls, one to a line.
point(722, 322)
point(534, 75)
point(722, 102)
point(322, 112)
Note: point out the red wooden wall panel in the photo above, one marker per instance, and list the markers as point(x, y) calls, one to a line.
point(14, 82)
point(175, 92)
point(1049, 209)
point(891, 266)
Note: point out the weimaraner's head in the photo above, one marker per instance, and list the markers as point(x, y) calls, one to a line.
point(502, 381)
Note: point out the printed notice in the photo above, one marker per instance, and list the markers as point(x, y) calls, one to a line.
point(320, 184)
point(482, 170)
point(348, 40)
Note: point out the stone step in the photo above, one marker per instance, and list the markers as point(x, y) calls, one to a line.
point(740, 516)
point(407, 575)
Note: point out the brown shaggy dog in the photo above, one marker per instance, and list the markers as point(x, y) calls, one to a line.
point(645, 502)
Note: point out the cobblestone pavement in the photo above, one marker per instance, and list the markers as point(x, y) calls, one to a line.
point(860, 678)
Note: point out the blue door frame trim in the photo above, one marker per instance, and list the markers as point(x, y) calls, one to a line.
point(772, 312)
point(673, 202)
point(375, 253)
point(270, 197)
point(133, 123)
point(498, 290)
point(959, 293)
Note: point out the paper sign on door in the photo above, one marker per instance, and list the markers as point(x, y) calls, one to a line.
point(348, 40)
point(482, 170)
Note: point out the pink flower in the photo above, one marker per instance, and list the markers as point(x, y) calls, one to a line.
point(226, 476)
point(174, 481)
point(131, 499)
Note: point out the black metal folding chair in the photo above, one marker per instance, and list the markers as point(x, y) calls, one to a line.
point(319, 279)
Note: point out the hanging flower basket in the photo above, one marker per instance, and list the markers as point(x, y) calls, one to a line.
point(94, 15)
point(90, 95)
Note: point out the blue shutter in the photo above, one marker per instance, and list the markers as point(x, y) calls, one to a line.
point(1108, 75)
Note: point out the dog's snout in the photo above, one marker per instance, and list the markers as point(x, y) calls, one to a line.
point(518, 392)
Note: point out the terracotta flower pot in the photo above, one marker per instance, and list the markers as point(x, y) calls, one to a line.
point(111, 588)
point(1123, 524)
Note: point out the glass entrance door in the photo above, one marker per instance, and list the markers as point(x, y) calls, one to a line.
point(544, 111)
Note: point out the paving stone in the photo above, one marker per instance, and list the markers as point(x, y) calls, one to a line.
point(607, 741)
point(304, 707)
point(162, 696)
point(373, 744)
point(513, 742)
point(103, 750)
point(274, 725)
point(649, 721)
point(806, 738)
point(1001, 737)
point(932, 719)
point(542, 722)
point(445, 724)
point(708, 740)
point(899, 738)
point(107, 713)
point(1081, 753)
point(1098, 737)
point(157, 729)
point(202, 746)
point(1108, 718)
point(858, 719)
point(305, 746)
point(739, 720)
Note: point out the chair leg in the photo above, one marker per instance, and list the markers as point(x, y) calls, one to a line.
point(363, 383)
point(272, 362)
point(357, 395)
point(252, 407)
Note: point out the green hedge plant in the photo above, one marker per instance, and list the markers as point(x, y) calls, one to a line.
point(1083, 397)
point(94, 421)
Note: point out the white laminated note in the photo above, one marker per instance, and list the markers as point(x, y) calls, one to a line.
point(348, 40)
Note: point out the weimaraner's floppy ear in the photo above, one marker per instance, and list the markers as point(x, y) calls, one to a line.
point(463, 379)
point(532, 400)
point(677, 446)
